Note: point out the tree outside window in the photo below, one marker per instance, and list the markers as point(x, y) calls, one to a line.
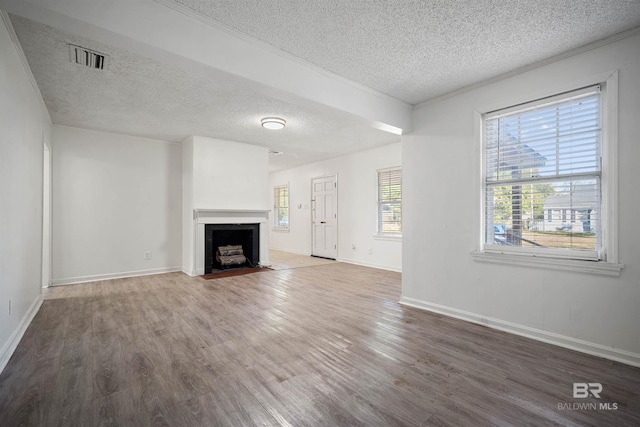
point(545, 157)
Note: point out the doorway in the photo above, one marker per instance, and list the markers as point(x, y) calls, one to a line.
point(46, 214)
point(324, 216)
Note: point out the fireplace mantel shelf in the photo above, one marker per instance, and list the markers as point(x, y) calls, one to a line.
point(211, 214)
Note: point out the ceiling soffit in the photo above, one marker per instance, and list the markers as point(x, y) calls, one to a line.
point(141, 96)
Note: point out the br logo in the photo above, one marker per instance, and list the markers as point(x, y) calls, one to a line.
point(584, 390)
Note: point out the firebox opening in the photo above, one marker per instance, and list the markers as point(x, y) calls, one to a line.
point(221, 235)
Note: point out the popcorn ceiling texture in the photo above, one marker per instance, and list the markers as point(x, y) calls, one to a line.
point(415, 50)
point(143, 97)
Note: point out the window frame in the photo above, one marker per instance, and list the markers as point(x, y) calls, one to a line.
point(608, 264)
point(380, 233)
point(526, 108)
point(276, 208)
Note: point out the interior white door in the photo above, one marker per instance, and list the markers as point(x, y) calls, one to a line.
point(324, 216)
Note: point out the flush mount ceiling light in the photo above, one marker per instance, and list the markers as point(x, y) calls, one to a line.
point(273, 123)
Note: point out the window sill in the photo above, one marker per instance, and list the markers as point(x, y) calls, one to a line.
point(589, 267)
point(389, 237)
point(280, 230)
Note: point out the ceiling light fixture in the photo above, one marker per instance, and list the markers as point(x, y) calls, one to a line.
point(273, 123)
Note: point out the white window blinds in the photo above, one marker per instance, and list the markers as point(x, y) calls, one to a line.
point(544, 157)
point(390, 201)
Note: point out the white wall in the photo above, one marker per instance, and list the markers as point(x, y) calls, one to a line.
point(187, 206)
point(229, 175)
point(24, 123)
point(115, 197)
point(357, 207)
point(220, 175)
point(441, 160)
point(46, 215)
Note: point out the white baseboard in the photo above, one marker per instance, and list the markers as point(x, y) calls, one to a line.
point(610, 353)
point(365, 264)
point(188, 272)
point(109, 276)
point(12, 344)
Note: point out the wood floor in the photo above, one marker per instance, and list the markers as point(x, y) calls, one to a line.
point(284, 260)
point(322, 345)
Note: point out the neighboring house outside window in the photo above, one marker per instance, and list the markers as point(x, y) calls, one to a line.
point(540, 157)
point(390, 201)
point(281, 207)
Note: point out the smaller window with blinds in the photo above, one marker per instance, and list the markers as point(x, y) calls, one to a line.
point(390, 201)
point(542, 186)
point(281, 207)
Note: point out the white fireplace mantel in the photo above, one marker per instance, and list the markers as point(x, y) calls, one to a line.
point(204, 215)
point(229, 216)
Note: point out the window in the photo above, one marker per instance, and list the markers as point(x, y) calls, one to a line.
point(545, 156)
point(281, 207)
point(390, 201)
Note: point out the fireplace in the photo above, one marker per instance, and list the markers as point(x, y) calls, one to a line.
point(217, 235)
point(194, 245)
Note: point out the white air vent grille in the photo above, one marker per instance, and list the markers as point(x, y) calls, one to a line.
point(87, 57)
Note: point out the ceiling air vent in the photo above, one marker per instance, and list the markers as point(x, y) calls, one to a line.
point(87, 57)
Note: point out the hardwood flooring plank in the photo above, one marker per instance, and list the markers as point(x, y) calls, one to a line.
point(109, 364)
point(207, 410)
point(24, 409)
point(117, 409)
point(68, 401)
point(21, 390)
point(77, 351)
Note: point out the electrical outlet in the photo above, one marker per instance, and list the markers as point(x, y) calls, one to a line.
point(10, 306)
point(370, 251)
point(147, 255)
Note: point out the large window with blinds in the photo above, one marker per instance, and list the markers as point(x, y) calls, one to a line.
point(390, 201)
point(281, 207)
point(542, 177)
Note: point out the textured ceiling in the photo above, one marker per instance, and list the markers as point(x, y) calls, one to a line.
point(140, 96)
point(415, 50)
point(412, 50)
